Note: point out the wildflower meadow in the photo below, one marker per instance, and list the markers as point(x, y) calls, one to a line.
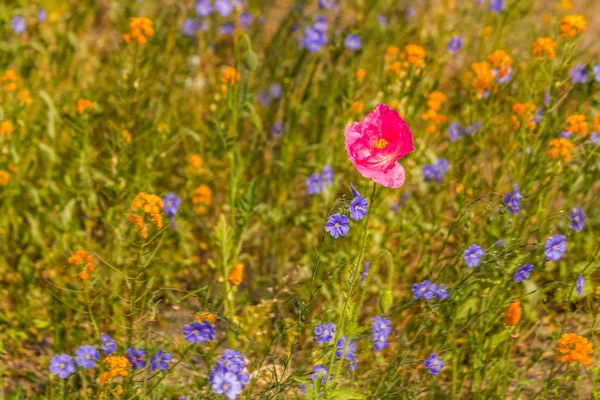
point(310, 199)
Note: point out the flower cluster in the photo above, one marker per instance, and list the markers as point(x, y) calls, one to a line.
point(572, 25)
point(171, 205)
point(512, 201)
point(526, 112)
point(324, 333)
point(434, 104)
point(346, 351)
point(229, 376)
point(338, 224)
point(84, 260)
point(319, 371)
point(434, 364)
point(428, 290)
point(502, 65)
point(83, 105)
point(457, 131)
point(202, 198)
point(117, 368)
point(140, 29)
point(574, 348)
point(544, 46)
point(380, 331)
point(577, 123)
point(199, 332)
point(435, 171)
point(150, 205)
point(314, 183)
point(562, 148)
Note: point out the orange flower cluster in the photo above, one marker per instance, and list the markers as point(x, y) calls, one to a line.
point(571, 25)
point(24, 97)
point(502, 61)
point(413, 55)
point(83, 259)
point(202, 198)
point(544, 45)
point(235, 277)
point(357, 107)
point(118, 367)
point(513, 315)
point(230, 75)
point(206, 316)
point(140, 29)
point(577, 123)
point(195, 164)
point(9, 80)
point(4, 177)
point(6, 128)
point(523, 110)
point(596, 123)
point(434, 102)
point(572, 347)
point(83, 105)
point(484, 77)
point(360, 74)
point(561, 147)
point(151, 205)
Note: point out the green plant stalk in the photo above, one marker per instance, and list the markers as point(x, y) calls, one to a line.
point(351, 288)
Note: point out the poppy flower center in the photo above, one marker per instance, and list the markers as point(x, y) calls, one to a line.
point(381, 143)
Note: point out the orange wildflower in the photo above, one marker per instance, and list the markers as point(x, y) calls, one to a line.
point(357, 107)
point(83, 105)
point(140, 29)
point(230, 75)
point(571, 25)
point(415, 55)
point(596, 123)
point(202, 198)
point(9, 80)
point(523, 110)
point(484, 77)
point(206, 316)
point(24, 97)
point(195, 163)
point(149, 204)
point(544, 45)
point(561, 147)
point(235, 277)
point(4, 176)
point(513, 315)
point(572, 347)
point(360, 74)
point(126, 136)
point(435, 100)
point(83, 259)
point(118, 367)
point(577, 123)
point(501, 60)
point(6, 128)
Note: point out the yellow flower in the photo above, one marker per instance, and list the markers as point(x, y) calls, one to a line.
point(148, 204)
point(83, 105)
point(235, 277)
point(544, 45)
point(561, 147)
point(4, 176)
point(571, 25)
point(140, 29)
point(572, 347)
point(577, 123)
point(230, 75)
point(6, 128)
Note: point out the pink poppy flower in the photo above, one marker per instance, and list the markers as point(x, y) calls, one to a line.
point(375, 145)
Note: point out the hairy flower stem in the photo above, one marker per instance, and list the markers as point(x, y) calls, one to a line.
point(353, 274)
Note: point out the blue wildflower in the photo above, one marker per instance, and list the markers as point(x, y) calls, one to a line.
point(203, 8)
point(314, 184)
point(358, 205)
point(160, 361)
point(275, 90)
point(189, 27)
point(352, 42)
point(321, 23)
point(318, 371)
point(62, 365)
point(441, 292)
point(226, 383)
point(324, 333)
point(472, 255)
point(455, 44)
point(350, 351)
point(497, 6)
point(382, 20)
point(435, 171)
point(246, 18)
point(579, 285)
point(327, 4)
point(199, 332)
point(229, 372)
point(473, 128)
point(18, 24)
point(380, 331)
point(136, 357)
point(523, 273)
point(313, 39)
point(555, 247)
point(337, 225)
point(226, 29)
point(577, 217)
point(596, 71)
point(434, 364)
point(171, 205)
point(425, 290)
point(223, 7)
point(86, 356)
point(365, 273)
point(327, 174)
point(277, 130)
point(455, 131)
point(42, 14)
point(512, 201)
point(108, 345)
point(578, 74)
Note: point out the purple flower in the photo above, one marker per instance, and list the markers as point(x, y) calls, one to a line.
point(189, 27)
point(455, 44)
point(324, 333)
point(434, 364)
point(160, 361)
point(579, 285)
point(136, 357)
point(472, 255)
point(596, 71)
point(327, 4)
point(203, 8)
point(226, 383)
point(425, 290)
point(455, 131)
point(538, 116)
point(86, 355)
point(523, 273)
point(263, 98)
point(223, 7)
point(18, 24)
point(578, 74)
point(435, 171)
point(313, 39)
point(321, 23)
point(497, 6)
point(565, 135)
point(577, 219)
point(350, 351)
point(512, 201)
point(352, 42)
point(358, 205)
point(171, 205)
point(441, 292)
point(232, 360)
point(226, 29)
point(555, 247)
point(246, 18)
point(506, 78)
point(318, 371)
point(108, 345)
point(365, 273)
point(199, 332)
point(327, 174)
point(594, 137)
point(382, 21)
point(42, 14)
point(380, 331)
point(314, 184)
point(275, 90)
point(277, 130)
point(337, 225)
point(547, 98)
point(62, 365)
point(475, 127)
